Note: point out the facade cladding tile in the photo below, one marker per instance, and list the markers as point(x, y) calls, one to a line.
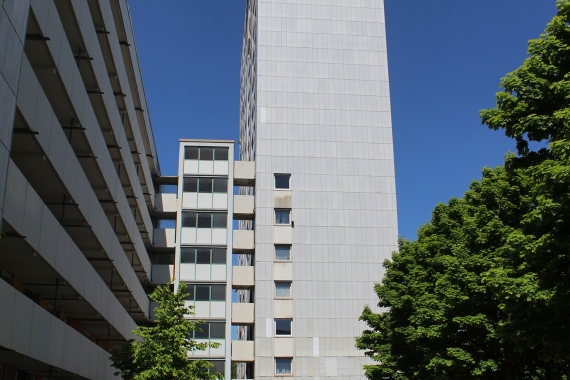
point(316, 105)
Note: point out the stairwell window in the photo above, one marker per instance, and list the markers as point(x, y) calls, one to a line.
point(282, 181)
point(283, 327)
point(282, 217)
point(283, 366)
point(282, 290)
point(282, 253)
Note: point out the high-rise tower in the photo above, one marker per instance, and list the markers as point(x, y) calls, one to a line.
point(315, 118)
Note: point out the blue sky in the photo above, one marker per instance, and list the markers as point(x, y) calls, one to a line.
point(445, 58)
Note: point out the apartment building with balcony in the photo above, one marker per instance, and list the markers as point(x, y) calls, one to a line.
point(79, 188)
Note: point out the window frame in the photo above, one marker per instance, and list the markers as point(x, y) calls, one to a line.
point(290, 290)
point(195, 253)
point(193, 292)
point(197, 216)
point(215, 185)
point(282, 210)
point(290, 253)
point(280, 374)
point(275, 181)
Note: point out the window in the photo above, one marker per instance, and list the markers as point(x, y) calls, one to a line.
point(204, 220)
point(282, 216)
point(283, 366)
point(205, 293)
point(211, 330)
point(206, 153)
point(205, 185)
point(164, 259)
point(282, 253)
point(283, 327)
point(282, 290)
point(282, 181)
point(217, 366)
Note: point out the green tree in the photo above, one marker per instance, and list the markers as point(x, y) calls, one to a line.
point(484, 291)
point(162, 352)
point(533, 285)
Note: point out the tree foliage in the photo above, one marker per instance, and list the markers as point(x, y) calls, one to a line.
point(484, 292)
point(162, 352)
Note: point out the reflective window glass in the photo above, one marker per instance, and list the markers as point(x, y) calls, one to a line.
point(187, 255)
point(204, 334)
point(283, 366)
point(282, 181)
point(203, 256)
point(220, 220)
point(206, 154)
point(219, 255)
point(217, 330)
point(282, 216)
point(218, 292)
point(205, 185)
point(204, 220)
point(189, 219)
point(282, 253)
point(283, 289)
point(202, 293)
point(190, 291)
point(221, 154)
point(191, 153)
point(190, 185)
point(283, 327)
point(220, 185)
point(218, 366)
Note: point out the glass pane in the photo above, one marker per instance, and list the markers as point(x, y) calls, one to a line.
point(283, 366)
point(204, 220)
point(204, 334)
point(220, 185)
point(220, 220)
point(282, 327)
point(205, 185)
point(218, 292)
point(187, 255)
point(189, 219)
point(282, 217)
point(219, 256)
point(191, 153)
point(206, 154)
point(283, 289)
point(219, 366)
point(190, 291)
point(203, 256)
point(218, 330)
point(202, 293)
point(164, 259)
point(282, 181)
point(282, 253)
point(221, 154)
point(190, 185)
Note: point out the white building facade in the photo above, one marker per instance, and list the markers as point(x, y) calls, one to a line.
point(315, 119)
point(203, 257)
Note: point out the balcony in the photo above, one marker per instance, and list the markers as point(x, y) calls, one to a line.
point(244, 207)
point(164, 240)
point(243, 242)
point(165, 206)
point(244, 173)
point(243, 277)
point(242, 351)
point(243, 314)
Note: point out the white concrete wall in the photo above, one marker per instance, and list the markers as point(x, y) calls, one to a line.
point(323, 116)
